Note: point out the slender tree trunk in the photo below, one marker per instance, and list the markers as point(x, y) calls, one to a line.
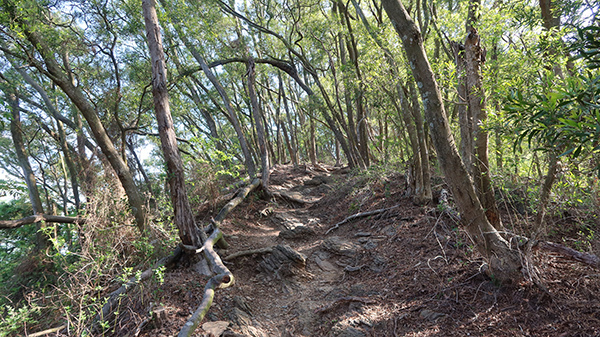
point(293, 132)
point(224, 96)
point(16, 131)
point(477, 106)
point(425, 194)
point(545, 193)
point(464, 117)
point(260, 128)
point(504, 263)
point(184, 219)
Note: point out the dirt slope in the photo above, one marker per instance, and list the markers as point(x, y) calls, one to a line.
point(405, 272)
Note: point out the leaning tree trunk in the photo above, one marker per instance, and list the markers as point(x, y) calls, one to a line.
point(504, 263)
point(184, 219)
point(56, 73)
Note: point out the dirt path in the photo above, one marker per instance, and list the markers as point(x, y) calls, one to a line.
point(404, 272)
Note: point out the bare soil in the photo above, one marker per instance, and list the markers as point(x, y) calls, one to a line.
point(409, 271)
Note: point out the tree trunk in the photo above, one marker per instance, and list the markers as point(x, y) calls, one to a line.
point(16, 131)
point(504, 263)
point(232, 116)
point(260, 128)
point(424, 195)
point(464, 117)
point(87, 109)
point(477, 106)
point(184, 219)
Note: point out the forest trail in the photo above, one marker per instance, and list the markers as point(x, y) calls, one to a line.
point(405, 272)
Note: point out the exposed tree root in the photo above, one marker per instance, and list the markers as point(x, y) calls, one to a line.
point(40, 217)
point(358, 216)
point(289, 198)
point(240, 196)
point(248, 252)
point(223, 279)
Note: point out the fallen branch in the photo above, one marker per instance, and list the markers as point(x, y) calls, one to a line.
point(40, 217)
point(248, 252)
point(223, 279)
point(569, 253)
point(360, 215)
point(47, 332)
point(116, 295)
point(344, 300)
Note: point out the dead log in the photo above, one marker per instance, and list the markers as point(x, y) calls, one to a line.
point(40, 217)
point(358, 216)
point(569, 253)
point(591, 260)
point(223, 279)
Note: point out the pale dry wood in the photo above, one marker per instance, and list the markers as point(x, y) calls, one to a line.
point(47, 332)
point(360, 215)
point(223, 279)
point(40, 217)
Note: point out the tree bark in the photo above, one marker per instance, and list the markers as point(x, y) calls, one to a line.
point(477, 106)
point(260, 128)
point(465, 120)
point(16, 131)
point(184, 219)
point(504, 263)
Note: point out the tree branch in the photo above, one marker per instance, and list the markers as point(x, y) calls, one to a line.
point(4, 224)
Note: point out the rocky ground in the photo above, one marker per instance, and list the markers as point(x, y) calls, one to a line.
point(405, 271)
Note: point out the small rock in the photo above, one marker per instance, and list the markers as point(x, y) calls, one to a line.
point(362, 234)
point(431, 315)
point(340, 246)
point(298, 232)
point(215, 328)
point(390, 230)
point(325, 265)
